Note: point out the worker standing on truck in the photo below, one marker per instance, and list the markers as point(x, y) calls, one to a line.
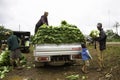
point(13, 46)
point(102, 46)
point(43, 20)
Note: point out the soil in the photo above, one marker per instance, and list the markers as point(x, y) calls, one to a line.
point(110, 72)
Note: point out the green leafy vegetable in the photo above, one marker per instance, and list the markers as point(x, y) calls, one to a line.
point(73, 77)
point(4, 58)
point(94, 34)
point(65, 33)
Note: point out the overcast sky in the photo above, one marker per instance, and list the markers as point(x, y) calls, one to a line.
point(83, 13)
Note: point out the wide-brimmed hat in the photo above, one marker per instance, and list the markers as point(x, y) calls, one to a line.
point(7, 33)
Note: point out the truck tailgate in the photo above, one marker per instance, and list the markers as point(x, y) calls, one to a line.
point(53, 49)
point(56, 53)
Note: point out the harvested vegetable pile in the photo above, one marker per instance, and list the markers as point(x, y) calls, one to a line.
point(94, 34)
point(4, 58)
point(5, 63)
point(65, 33)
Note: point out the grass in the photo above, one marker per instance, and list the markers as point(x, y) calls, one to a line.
point(112, 52)
point(111, 59)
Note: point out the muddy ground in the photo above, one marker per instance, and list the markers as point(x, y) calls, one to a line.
point(111, 71)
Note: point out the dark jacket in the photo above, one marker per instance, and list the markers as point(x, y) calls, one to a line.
point(43, 20)
point(13, 42)
point(102, 40)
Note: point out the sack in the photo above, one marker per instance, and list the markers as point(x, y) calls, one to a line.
point(89, 54)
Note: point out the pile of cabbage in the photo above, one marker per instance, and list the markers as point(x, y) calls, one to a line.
point(65, 33)
point(5, 63)
point(94, 34)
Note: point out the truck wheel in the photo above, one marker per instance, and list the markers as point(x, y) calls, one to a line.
point(39, 64)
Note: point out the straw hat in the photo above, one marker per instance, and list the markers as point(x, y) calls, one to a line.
point(7, 33)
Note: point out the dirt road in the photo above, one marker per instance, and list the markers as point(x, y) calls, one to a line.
point(51, 73)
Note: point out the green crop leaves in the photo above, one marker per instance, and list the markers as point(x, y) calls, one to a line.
point(65, 33)
point(94, 34)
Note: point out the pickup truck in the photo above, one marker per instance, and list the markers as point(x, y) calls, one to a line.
point(54, 54)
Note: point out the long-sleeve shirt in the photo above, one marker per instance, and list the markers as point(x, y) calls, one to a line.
point(43, 20)
point(13, 42)
point(102, 39)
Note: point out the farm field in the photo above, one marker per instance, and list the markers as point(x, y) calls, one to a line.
point(111, 71)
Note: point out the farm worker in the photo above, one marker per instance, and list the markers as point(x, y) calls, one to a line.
point(13, 46)
point(43, 20)
point(85, 57)
point(102, 46)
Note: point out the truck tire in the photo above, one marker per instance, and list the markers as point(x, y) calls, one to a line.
point(39, 64)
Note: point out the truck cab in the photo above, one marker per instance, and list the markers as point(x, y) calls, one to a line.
point(24, 38)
